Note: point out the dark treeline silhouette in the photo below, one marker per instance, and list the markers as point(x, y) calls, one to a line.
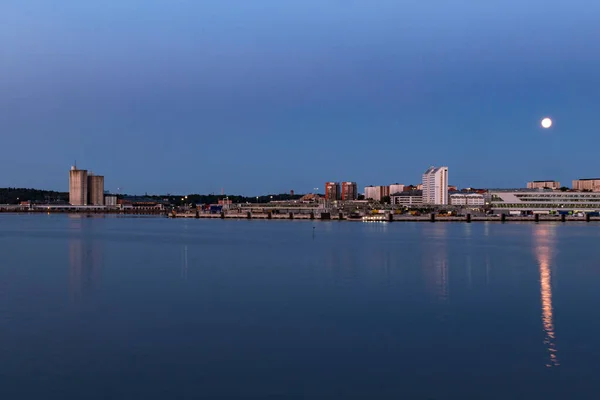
point(213, 199)
point(17, 195)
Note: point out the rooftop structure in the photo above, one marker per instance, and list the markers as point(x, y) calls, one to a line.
point(310, 197)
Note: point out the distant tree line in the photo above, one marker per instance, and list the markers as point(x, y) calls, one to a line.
point(17, 195)
point(214, 199)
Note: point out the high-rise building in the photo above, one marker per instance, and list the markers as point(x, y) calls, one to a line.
point(384, 191)
point(592, 185)
point(435, 185)
point(396, 188)
point(543, 185)
point(332, 191)
point(372, 193)
point(95, 187)
point(376, 192)
point(349, 191)
point(78, 187)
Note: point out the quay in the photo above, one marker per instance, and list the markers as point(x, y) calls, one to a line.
point(316, 214)
point(335, 216)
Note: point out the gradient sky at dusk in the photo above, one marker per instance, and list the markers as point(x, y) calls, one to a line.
point(258, 96)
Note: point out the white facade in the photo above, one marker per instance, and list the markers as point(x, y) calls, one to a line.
point(467, 199)
point(372, 192)
point(110, 201)
point(544, 200)
point(396, 188)
point(408, 199)
point(376, 192)
point(435, 186)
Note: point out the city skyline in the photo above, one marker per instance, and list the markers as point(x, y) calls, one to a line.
point(198, 96)
point(335, 190)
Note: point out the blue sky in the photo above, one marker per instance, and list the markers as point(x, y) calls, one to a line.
point(269, 95)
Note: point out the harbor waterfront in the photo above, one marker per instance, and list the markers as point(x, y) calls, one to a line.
point(387, 217)
point(109, 306)
point(297, 214)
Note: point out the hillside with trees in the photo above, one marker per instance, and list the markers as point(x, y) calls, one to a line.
point(17, 195)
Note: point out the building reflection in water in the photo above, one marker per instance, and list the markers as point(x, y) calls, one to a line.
point(468, 265)
point(184, 262)
point(469, 272)
point(544, 241)
point(436, 260)
point(468, 230)
point(85, 256)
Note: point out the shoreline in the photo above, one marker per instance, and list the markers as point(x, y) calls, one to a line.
point(320, 216)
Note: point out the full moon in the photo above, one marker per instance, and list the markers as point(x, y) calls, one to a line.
point(546, 123)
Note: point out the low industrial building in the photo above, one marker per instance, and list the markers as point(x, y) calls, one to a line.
point(110, 201)
point(474, 200)
point(542, 201)
point(66, 208)
point(140, 203)
point(413, 198)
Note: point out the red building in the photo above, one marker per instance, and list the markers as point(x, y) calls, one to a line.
point(349, 191)
point(332, 191)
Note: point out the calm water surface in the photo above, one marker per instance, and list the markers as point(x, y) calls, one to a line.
point(152, 308)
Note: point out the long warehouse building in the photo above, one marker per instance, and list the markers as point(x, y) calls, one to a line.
point(542, 201)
